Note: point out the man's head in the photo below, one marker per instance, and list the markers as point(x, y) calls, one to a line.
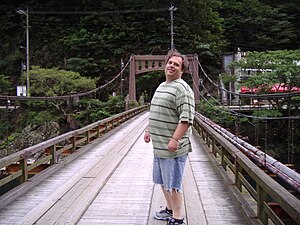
point(185, 62)
point(176, 64)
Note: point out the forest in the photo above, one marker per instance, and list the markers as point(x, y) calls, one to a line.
point(91, 37)
point(88, 40)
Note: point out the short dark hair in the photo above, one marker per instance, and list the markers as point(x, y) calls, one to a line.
point(185, 61)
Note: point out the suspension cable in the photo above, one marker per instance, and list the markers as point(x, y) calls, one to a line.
point(24, 98)
point(263, 96)
point(260, 96)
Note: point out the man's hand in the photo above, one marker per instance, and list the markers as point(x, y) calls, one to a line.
point(147, 136)
point(173, 145)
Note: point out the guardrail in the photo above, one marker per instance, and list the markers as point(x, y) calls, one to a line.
point(55, 151)
point(269, 201)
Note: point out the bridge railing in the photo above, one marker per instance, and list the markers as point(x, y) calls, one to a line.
point(257, 194)
point(40, 160)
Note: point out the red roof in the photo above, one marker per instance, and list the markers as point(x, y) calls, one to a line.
point(245, 89)
point(276, 88)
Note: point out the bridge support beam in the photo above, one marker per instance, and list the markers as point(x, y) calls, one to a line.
point(132, 73)
point(147, 63)
point(194, 71)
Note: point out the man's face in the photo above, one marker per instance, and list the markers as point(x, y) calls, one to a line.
point(173, 69)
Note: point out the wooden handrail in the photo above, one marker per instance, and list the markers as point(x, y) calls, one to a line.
point(270, 196)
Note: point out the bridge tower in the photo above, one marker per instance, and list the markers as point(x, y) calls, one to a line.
point(146, 63)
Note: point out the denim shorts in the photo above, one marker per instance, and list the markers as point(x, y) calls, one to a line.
point(168, 172)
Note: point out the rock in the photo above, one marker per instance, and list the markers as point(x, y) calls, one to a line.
point(32, 135)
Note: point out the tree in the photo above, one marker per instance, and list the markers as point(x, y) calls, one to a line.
point(291, 8)
point(275, 67)
point(254, 25)
point(98, 34)
point(55, 82)
point(5, 85)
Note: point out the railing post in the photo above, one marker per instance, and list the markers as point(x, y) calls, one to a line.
point(208, 142)
point(261, 199)
point(98, 131)
point(88, 137)
point(74, 143)
point(213, 147)
point(206, 138)
point(223, 163)
point(53, 154)
point(106, 127)
point(238, 169)
point(23, 167)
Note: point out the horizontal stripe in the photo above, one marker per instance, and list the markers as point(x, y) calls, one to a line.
point(172, 103)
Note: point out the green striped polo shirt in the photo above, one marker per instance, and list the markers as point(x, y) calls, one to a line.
point(172, 103)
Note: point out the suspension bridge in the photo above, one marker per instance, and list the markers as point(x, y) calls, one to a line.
point(101, 173)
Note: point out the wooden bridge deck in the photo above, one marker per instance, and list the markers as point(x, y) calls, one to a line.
point(111, 183)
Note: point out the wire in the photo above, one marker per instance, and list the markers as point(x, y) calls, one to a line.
point(97, 12)
point(24, 98)
point(238, 114)
point(262, 96)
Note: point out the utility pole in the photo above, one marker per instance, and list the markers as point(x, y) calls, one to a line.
point(172, 9)
point(22, 12)
point(122, 66)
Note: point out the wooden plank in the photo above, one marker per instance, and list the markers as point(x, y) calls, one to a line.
point(76, 210)
point(62, 205)
point(157, 203)
point(33, 215)
point(215, 193)
point(17, 192)
point(193, 204)
point(76, 205)
point(126, 196)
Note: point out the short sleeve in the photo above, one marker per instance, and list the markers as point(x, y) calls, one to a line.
point(185, 104)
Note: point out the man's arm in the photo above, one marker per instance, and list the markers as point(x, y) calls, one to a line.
point(181, 129)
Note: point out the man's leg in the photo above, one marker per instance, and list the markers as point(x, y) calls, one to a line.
point(167, 197)
point(175, 201)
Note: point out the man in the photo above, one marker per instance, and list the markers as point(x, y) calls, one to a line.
point(171, 115)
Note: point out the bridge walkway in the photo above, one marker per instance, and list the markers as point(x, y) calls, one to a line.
point(111, 183)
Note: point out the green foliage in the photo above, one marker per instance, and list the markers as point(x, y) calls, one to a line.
point(10, 138)
point(40, 118)
point(133, 104)
point(295, 105)
point(115, 104)
point(93, 44)
point(85, 67)
point(5, 85)
point(259, 25)
point(216, 113)
point(92, 110)
point(33, 104)
point(227, 78)
point(36, 118)
point(275, 67)
point(148, 82)
point(92, 113)
point(3, 127)
point(33, 113)
point(54, 82)
point(267, 113)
